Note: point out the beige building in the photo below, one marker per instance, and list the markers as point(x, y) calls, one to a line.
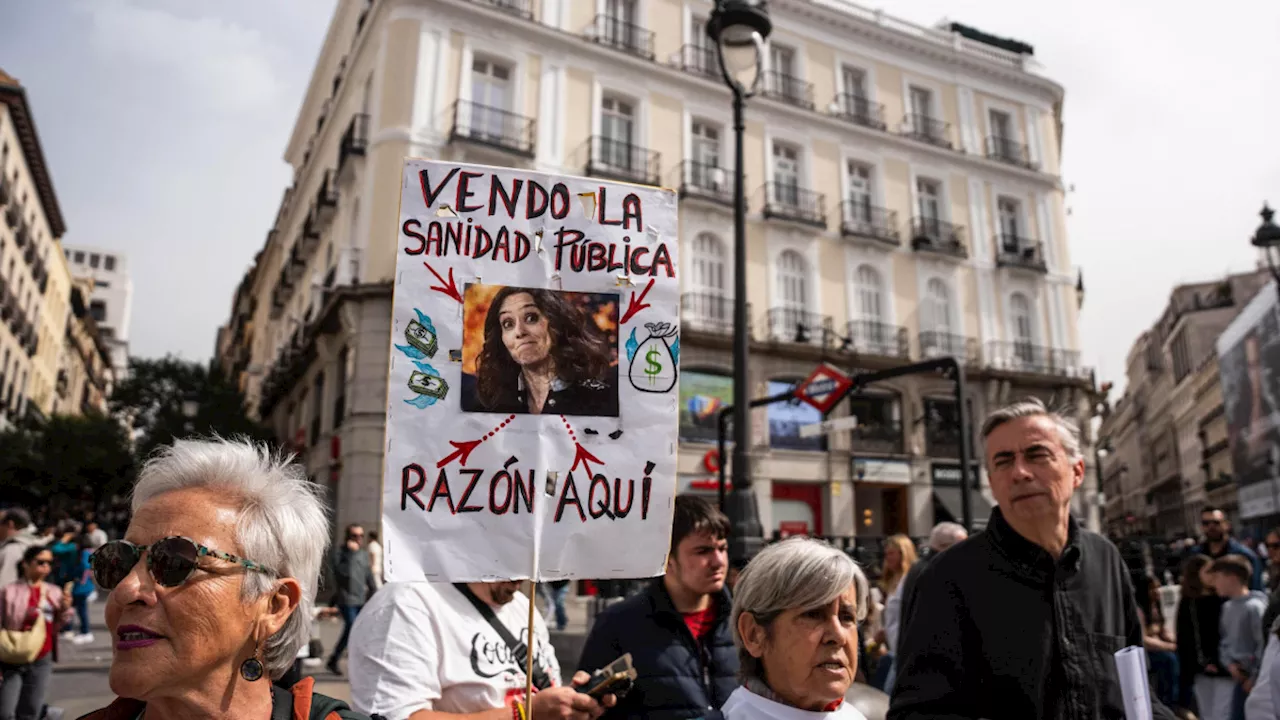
point(904, 202)
point(34, 283)
point(1167, 436)
point(86, 374)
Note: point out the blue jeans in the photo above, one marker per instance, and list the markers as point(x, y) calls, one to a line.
point(349, 613)
point(23, 689)
point(1164, 673)
point(82, 610)
point(881, 676)
point(556, 596)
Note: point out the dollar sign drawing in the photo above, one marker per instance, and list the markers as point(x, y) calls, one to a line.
point(654, 366)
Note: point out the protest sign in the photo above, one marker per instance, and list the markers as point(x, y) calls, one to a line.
point(532, 405)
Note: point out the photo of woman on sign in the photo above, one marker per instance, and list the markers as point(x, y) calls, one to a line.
point(543, 352)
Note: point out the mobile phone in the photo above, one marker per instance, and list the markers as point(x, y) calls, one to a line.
point(615, 678)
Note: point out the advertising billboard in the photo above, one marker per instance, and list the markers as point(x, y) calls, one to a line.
point(1249, 367)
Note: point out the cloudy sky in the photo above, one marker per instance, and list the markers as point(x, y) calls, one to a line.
point(165, 122)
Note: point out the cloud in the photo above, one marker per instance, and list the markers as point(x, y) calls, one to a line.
point(222, 66)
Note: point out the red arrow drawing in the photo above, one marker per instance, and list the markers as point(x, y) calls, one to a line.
point(634, 304)
point(584, 456)
point(451, 289)
point(462, 451)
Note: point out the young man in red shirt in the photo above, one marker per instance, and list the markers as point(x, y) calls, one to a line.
point(677, 630)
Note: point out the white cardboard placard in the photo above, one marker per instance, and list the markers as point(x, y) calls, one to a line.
point(531, 409)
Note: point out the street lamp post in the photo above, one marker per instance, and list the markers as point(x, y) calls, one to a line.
point(1267, 239)
point(739, 29)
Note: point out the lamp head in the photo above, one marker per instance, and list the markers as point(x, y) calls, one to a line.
point(740, 29)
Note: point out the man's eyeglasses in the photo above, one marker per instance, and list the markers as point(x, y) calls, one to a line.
point(171, 561)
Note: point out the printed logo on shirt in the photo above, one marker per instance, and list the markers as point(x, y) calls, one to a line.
point(492, 657)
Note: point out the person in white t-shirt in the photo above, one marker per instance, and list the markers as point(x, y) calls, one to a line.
point(425, 651)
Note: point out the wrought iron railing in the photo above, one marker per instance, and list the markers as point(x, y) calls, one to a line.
point(788, 88)
point(789, 201)
point(355, 140)
point(862, 219)
point(697, 59)
point(494, 127)
point(617, 160)
point(872, 337)
point(860, 111)
point(933, 235)
point(709, 312)
point(1024, 356)
point(707, 181)
point(883, 437)
point(1014, 251)
point(521, 8)
point(619, 34)
point(927, 129)
point(936, 343)
point(796, 325)
point(1009, 151)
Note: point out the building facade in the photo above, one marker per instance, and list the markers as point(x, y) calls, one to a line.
point(111, 297)
point(904, 203)
point(1168, 456)
point(86, 375)
point(33, 307)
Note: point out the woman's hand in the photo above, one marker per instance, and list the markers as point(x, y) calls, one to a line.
point(65, 605)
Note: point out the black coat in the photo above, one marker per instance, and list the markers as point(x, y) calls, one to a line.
point(1198, 620)
point(999, 629)
point(676, 679)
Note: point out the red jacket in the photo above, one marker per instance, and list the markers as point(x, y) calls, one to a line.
point(300, 696)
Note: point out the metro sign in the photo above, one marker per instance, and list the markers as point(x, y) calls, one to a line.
point(824, 387)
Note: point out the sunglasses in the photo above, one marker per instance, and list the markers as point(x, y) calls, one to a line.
point(171, 561)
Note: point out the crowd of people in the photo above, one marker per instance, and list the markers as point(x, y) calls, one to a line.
point(212, 588)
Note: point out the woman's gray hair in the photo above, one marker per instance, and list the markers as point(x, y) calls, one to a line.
point(282, 522)
point(799, 573)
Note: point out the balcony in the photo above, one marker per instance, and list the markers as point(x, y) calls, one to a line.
point(708, 312)
point(6, 190)
point(860, 111)
point(788, 201)
point(492, 127)
point(1008, 151)
point(700, 60)
point(1022, 356)
point(788, 89)
point(519, 8)
point(616, 160)
point(933, 235)
point(1019, 252)
point(355, 141)
point(942, 440)
point(881, 437)
point(935, 343)
point(22, 233)
point(703, 181)
point(326, 205)
point(871, 337)
point(627, 37)
point(927, 130)
point(11, 214)
point(861, 219)
point(795, 325)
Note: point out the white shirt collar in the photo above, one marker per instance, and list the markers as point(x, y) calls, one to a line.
point(746, 705)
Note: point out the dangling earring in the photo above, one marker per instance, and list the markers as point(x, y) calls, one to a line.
point(251, 669)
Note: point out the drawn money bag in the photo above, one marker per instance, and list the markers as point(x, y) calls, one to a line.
point(653, 361)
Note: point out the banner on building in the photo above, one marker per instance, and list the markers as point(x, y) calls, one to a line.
point(532, 404)
point(1249, 366)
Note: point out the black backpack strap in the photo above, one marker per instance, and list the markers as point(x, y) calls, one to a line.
point(519, 649)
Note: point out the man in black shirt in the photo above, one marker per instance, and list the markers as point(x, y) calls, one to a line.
point(1023, 620)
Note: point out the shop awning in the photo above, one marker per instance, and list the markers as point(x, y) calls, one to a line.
point(947, 506)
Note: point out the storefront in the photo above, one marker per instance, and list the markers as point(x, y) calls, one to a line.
point(880, 488)
point(948, 505)
point(797, 508)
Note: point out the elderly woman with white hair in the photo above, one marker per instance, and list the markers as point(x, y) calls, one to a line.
point(795, 621)
point(212, 587)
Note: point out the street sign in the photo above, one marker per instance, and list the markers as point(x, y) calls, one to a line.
point(824, 386)
point(828, 426)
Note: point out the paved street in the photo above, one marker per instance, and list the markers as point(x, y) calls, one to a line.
point(80, 678)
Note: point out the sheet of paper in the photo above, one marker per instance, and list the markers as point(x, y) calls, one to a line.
point(1131, 663)
point(531, 428)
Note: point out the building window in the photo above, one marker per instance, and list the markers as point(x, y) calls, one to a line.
point(1009, 212)
point(921, 104)
point(340, 391)
point(94, 260)
point(870, 294)
point(317, 407)
point(490, 97)
point(1001, 127)
point(617, 126)
point(859, 175)
point(620, 23)
point(1023, 335)
point(101, 284)
point(1181, 351)
point(855, 85)
point(109, 263)
point(79, 259)
point(938, 306)
point(708, 264)
point(929, 205)
point(705, 145)
point(98, 309)
point(786, 175)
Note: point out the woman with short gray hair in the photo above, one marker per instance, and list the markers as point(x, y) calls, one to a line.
point(795, 621)
point(211, 590)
